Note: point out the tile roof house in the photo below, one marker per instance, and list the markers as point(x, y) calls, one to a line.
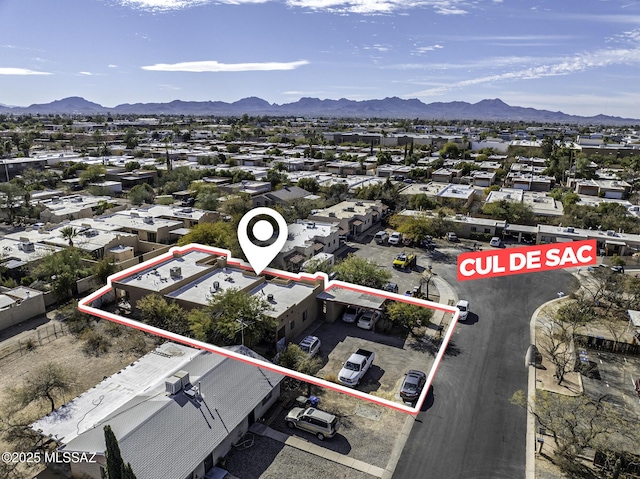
point(175, 413)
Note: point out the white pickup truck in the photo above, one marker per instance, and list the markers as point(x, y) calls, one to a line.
point(355, 368)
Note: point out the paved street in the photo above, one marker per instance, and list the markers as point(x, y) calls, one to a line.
point(470, 430)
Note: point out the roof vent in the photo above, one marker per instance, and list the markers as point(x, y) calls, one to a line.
point(175, 272)
point(270, 298)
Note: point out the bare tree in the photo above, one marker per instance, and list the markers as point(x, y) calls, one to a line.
point(555, 339)
point(45, 383)
point(577, 422)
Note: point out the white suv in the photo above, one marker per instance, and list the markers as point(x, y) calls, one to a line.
point(463, 306)
point(395, 238)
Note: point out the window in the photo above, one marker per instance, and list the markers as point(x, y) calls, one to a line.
point(487, 230)
point(473, 229)
point(152, 237)
point(304, 315)
point(292, 324)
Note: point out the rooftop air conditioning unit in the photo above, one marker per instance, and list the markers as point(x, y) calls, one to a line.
point(570, 230)
point(148, 220)
point(270, 298)
point(183, 376)
point(134, 214)
point(611, 233)
point(175, 272)
point(173, 385)
point(28, 247)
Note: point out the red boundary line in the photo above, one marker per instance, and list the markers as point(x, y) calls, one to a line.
point(84, 305)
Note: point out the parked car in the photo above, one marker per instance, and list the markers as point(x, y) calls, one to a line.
point(412, 385)
point(310, 345)
point(356, 367)
point(495, 242)
point(351, 314)
point(381, 237)
point(395, 238)
point(463, 306)
point(451, 236)
point(368, 319)
point(313, 420)
point(391, 287)
point(405, 261)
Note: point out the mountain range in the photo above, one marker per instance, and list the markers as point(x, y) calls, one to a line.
point(394, 107)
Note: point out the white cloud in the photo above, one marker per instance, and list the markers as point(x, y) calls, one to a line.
point(443, 7)
point(20, 71)
point(567, 66)
point(429, 48)
point(170, 5)
point(89, 74)
point(111, 65)
point(213, 66)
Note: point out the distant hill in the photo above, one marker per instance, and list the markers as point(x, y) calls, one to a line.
point(394, 107)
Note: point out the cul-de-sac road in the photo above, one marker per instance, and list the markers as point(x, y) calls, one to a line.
point(468, 428)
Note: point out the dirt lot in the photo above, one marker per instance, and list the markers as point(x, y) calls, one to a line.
point(66, 350)
point(368, 432)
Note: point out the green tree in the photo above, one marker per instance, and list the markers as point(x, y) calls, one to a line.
point(362, 271)
point(130, 139)
point(143, 193)
point(220, 234)
point(450, 150)
point(116, 468)
point(11, 200)
point(103, 269)
point(62, 269)
point(160, 313)
point(234, 316)
point(132, 165)
point(309, 184)
point(92, 174)
point(45, 383)
point(207, 197)
point(409, 316)
point(295, 358)
point(422, 202)
point(384, 157)
point(69, 233)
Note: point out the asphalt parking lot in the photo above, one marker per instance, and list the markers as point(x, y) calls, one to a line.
point(394, 356)
point(383, 255)
point(614, 376)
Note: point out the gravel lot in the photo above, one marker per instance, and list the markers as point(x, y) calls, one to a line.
point(269, 459)
point(368, 432)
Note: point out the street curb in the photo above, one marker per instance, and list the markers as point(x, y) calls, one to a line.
point(531, 444)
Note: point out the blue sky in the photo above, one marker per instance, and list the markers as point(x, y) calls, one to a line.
point(579, 57)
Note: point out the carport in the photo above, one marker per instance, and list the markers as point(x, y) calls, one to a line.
point(336, 299)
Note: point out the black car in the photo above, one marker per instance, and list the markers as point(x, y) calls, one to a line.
point(391, 287)
point(412, 385)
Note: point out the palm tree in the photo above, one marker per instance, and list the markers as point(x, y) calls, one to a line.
point(69, 233)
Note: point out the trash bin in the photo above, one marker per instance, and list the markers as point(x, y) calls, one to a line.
point(313, 401)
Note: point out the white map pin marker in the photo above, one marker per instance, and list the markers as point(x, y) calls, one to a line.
point(260, 256)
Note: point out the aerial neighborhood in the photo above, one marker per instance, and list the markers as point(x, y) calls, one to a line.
point(363, 295)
